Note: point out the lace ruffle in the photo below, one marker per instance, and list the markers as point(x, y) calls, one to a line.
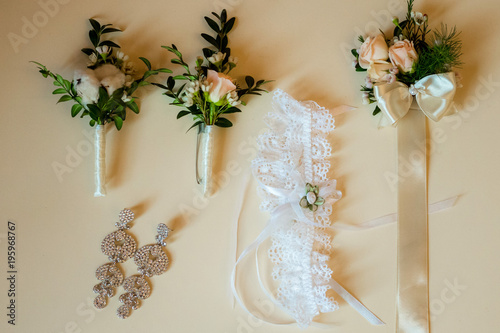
point(296, 143)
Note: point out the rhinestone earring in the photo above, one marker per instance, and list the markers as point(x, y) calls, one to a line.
point(150, 260)
point(118, 246)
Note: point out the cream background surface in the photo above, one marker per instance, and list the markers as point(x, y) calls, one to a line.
point(302, 45)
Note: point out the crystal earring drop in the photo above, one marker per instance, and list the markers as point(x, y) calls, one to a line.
point(150, 260)
point(118, 246)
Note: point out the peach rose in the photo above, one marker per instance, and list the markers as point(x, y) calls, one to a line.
point(378, 71)
point(373, 50)
point(220, 85)
point(403, 55)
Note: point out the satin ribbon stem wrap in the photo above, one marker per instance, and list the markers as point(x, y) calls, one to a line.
point(433, 99)
point(204, 158)
point(100, 161)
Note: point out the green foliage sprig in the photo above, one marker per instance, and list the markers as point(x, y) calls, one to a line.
point(108, 107)
point(195, 95)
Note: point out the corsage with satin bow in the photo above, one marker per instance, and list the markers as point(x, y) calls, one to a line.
point(416, 61)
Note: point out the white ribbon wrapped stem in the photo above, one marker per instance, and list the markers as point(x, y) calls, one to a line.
point(204, 158)
point(100, 161)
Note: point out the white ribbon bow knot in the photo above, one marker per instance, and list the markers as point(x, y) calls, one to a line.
point(434, 95)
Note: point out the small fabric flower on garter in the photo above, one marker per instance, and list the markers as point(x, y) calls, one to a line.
point(311, 199)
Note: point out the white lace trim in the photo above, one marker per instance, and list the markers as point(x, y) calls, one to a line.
point(296, 142)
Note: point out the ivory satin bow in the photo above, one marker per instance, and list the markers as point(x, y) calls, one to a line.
point(434, 95)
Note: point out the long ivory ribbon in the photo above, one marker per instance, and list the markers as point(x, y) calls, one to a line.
point(412, 301)
point(100, 161)
point(433, 99)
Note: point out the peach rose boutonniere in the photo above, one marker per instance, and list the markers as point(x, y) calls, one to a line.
point(412, 53)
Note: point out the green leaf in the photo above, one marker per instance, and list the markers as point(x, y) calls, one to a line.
point(194, 125)
point(109, 43)
point(180, 77)
point(164, 70)
point(95, 24)
point(232, 110)
point(75, 109)
point(207, 53)
point(216, 15)
point(59, 91)
point(67, 84)
point(223, 122)
point(159, 85)
point(212, 24)
point(250, 81)
point(94, 38)
point(170, 83)
point(377, 110)
point(64, 98)
point(210, 39)
point(397, 30)
point(108, 30)
point(118, 122)
point(223, 16)
point(133, 106)
point(359, 69)
point(39, 64)
point(146, 61)
point(174, 50)
point(182, 114)
point(354, 53)
point(92, 122)
point(87, 51)
point(224, 43)
point(229, 25)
